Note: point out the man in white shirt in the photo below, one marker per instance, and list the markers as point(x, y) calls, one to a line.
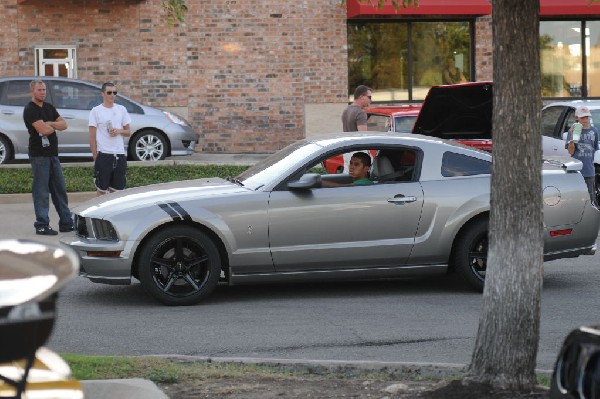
point(108, 124)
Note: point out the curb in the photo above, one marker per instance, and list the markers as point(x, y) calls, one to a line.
point(133, 388)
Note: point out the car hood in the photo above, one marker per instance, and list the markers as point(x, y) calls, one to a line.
point(462, 111)
point(140, 197)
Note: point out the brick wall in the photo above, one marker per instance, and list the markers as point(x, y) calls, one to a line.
point(243, 69)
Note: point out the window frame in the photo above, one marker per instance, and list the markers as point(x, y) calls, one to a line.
point(41, 61)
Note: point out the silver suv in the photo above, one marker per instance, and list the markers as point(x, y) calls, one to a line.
point(155, 134)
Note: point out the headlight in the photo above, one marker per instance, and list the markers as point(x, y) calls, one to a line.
point(104, 230)
point(95, 228)
point(175, 118)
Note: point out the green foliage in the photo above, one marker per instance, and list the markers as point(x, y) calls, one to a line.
point(80, 178)
point(176, 10)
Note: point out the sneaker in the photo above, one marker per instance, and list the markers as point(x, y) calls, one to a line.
point(63, 229)
point(46, 231)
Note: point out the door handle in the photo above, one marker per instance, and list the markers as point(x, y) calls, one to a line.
point(68, 116)
point(7, 112)
point(401, 199)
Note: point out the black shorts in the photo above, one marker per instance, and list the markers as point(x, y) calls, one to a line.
point(110, 172)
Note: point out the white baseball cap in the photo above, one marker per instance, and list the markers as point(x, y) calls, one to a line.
point(583, 111)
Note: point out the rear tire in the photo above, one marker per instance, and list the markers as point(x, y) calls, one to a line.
point(469, 255)
point(5, 150)
point(179, 265)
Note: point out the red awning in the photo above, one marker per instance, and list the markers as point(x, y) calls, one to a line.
point(467, 7)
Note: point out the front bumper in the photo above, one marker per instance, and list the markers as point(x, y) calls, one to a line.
point(115, 270)
point(183, 139)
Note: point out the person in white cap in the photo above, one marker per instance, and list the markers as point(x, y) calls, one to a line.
point(584, 148)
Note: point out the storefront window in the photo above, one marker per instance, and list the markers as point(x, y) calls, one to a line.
point(592, 52)
point(570, 58)
point(560, 51)
point(400, 61)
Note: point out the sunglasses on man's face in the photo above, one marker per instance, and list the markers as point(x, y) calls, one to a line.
point(110, 93)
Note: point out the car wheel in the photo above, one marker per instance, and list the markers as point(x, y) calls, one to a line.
point(469, 255)
point(148, 145)
point(180, 265)
point(5, 150)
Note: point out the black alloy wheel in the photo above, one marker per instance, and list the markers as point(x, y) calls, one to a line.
point(180, 265)
point(469, 256)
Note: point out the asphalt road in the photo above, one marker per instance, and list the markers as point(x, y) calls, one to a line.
point(426, 320)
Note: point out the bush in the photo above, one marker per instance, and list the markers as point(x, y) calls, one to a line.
point(80, 178)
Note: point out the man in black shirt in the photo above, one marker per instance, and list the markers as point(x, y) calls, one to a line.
point(42, 121)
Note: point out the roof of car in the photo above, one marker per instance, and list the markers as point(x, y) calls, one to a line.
point(395, 110)
point(594, 104)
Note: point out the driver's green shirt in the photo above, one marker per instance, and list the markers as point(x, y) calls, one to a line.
point(362, 182)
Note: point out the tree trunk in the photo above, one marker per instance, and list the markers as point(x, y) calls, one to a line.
point(507, 339)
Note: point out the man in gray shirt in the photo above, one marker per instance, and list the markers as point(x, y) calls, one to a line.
point(354, 117)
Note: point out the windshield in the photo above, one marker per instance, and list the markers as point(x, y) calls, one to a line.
point(277, 164)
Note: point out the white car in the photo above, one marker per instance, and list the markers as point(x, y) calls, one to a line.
point(557, 118)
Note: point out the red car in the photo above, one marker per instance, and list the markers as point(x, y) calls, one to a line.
point(460, 112)
point(393, 118)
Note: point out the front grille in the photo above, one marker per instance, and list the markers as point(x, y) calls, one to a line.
point(80, 226)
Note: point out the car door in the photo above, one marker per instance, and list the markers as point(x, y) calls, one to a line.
point(73, 101)
point(344, 227)
point(14, 95)
point(555, 121)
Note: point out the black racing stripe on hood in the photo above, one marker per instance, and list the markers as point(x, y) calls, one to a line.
point(171, 212)
point(180, 210)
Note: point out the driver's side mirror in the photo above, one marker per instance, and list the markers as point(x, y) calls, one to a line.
point(306, 181)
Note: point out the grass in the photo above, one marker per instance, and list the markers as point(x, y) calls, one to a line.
point(80, 178)
point(165, 371)
point(171, 371)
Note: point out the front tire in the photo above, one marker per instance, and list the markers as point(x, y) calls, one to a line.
point(179, 265)
point(148, 145)
point(5, 150)
point(469, 255)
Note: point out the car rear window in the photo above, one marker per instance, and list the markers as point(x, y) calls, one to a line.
point(454, 164)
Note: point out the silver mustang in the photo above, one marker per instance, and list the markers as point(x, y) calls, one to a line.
point(427, 212)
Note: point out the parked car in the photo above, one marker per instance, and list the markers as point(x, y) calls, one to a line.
point(577, 369)
point(463, 112)
point(439, 105)
point(396, 118)
point(31, 274)
point(155, 134)
point(557, 119)
point(275, 222)
point(393, 118)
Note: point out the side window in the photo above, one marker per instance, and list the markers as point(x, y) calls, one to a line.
point(395, 165)
point(570, 119)
point(454, 164)
point(74, 95)
point(595, 116)
point(16, 93)
point(132, 108)
point(551, 116)
point(378, 123)
point(405, 124)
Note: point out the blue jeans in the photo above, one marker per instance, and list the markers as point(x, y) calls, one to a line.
point(48, 180)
